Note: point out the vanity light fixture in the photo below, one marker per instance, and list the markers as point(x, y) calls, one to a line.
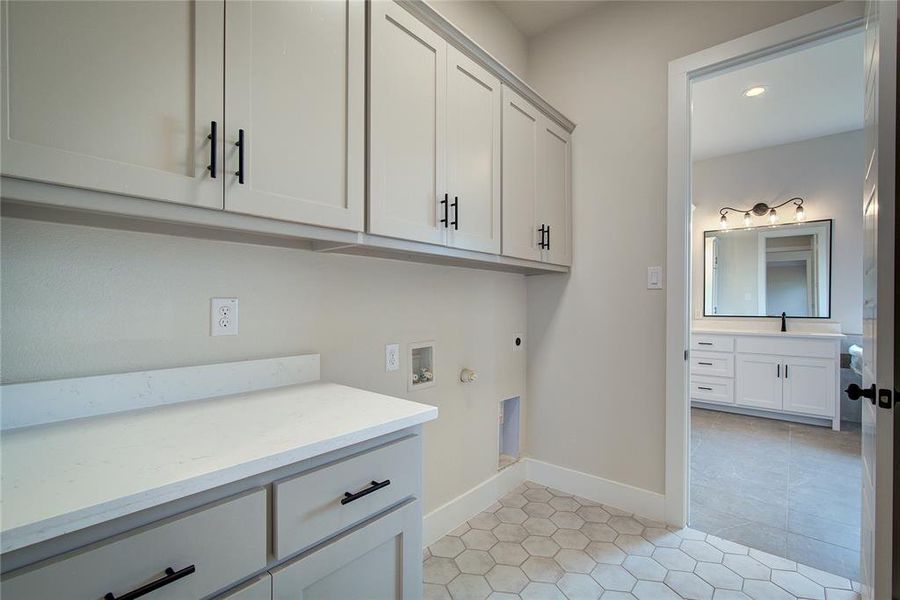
point(761, 209)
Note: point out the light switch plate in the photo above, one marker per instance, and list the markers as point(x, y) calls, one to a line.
point(654, 278)
point(392, 357)
point(223, 316)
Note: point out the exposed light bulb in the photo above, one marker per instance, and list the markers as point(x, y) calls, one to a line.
point(773, 216)
point(747, 220)
point(800, 216)
point(723, 222)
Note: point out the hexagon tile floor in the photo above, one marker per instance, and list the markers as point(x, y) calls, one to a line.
point(538, 543)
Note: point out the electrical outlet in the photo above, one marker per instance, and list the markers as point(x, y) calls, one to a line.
point(223, 314)
point(392, 357)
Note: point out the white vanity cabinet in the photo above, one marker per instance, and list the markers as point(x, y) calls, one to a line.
point(536, 184)
point(778, 375)
point(115, 96)
point(434, 147)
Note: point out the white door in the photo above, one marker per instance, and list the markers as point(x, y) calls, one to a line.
point(474, 103)
point(809, 385)
point(758, 381)
point(879, 298)
point(554, 191)
point(381, 560)
point(407, 126)
point(295, 86)
point(521, 124)
point(115, 96)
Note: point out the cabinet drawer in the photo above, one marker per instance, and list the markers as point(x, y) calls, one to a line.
point(308, 509)
point(809, 348)
point(712, 364)
point(224, 542)
point(712, 343)
point(712, 389)
point(259, 588)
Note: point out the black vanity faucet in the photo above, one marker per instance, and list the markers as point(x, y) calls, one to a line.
point(783, 322)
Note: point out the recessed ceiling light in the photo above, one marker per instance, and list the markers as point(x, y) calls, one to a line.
point(756, 90)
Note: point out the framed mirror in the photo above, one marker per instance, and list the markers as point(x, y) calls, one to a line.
point(764, 271)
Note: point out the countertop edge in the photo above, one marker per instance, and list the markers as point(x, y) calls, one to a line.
point(52, 527)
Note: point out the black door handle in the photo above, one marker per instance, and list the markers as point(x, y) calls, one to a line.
point(446, 218)
point(240, 147)
point(455, 221)
point(854, 392)
point(349, 497)
point(171, 576)
point(213, 144)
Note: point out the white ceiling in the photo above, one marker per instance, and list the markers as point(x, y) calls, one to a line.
point(532, 17)
point(810, 93)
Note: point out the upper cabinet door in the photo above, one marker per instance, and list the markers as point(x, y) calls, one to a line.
point(407, 120)
point(114, 96)
point(521, 127)
point(554, 191)
point(295, 85)
point(474, 104)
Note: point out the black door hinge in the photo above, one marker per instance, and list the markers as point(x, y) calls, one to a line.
point(885, 398)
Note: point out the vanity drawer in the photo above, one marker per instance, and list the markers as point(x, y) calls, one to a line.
point(308, 508)
point(810, 348)
point(224, 542)
point(712, 364)
point(712, 343)
point(712, 389)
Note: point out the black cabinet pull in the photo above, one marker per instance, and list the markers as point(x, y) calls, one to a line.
point(705, 363)
point(445, 204)
point(543, 230)
point(240, 147)
point(700, 387)
point(704, 343)
point(548, 237)
point(213, 144)
point(778, 371)
point(348, 497)
point(171, 576)
point(455, 221)
point(785, 371)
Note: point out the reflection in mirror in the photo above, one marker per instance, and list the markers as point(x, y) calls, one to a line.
point(764, 271)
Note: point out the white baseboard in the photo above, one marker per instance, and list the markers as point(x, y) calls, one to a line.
point(447, 517)
point(635, 500)
point(625, 497)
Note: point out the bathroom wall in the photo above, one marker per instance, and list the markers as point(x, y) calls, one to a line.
point(81, 301)
point(827, 172)
point(596, 364)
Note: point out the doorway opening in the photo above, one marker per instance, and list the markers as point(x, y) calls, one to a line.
point(775, 303)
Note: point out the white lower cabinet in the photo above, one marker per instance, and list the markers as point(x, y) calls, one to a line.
point(379, 560)
point(808, 386)
point(259, 588)
point(759, 381)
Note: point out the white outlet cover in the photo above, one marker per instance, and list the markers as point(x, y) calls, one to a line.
point(392, 357)
point(223, 316)
point(654, 278)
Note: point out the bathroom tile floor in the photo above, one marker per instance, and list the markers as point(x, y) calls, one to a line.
point(789, 489)
point(538, 543)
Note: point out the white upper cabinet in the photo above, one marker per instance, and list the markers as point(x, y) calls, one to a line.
point(295, 86)
point(521, 131)
point(407, 120)
point(115, 96)
point(474, 102)
point(554, 192)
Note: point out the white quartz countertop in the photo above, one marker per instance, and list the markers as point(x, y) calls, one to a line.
point(62, 477)
point(795, 334)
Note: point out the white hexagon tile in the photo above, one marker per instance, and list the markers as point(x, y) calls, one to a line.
point(539, 543)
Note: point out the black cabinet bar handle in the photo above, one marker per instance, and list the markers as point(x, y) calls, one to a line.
point(213, 144)
point(705, 343)
point(455, 205)
point(348, 497)
point(544, 229)
point(705, 363)
point(171, 576)
point(700, 387)
point(778, 371)
point(785, 372)
point(548, 237)
point(240, 146)
point(445, 204)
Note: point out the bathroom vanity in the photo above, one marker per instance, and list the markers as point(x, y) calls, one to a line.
point(786, 375)
point(244, 481)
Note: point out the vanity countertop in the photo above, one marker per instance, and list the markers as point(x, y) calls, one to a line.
point(65, 476)
point(782, 334)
